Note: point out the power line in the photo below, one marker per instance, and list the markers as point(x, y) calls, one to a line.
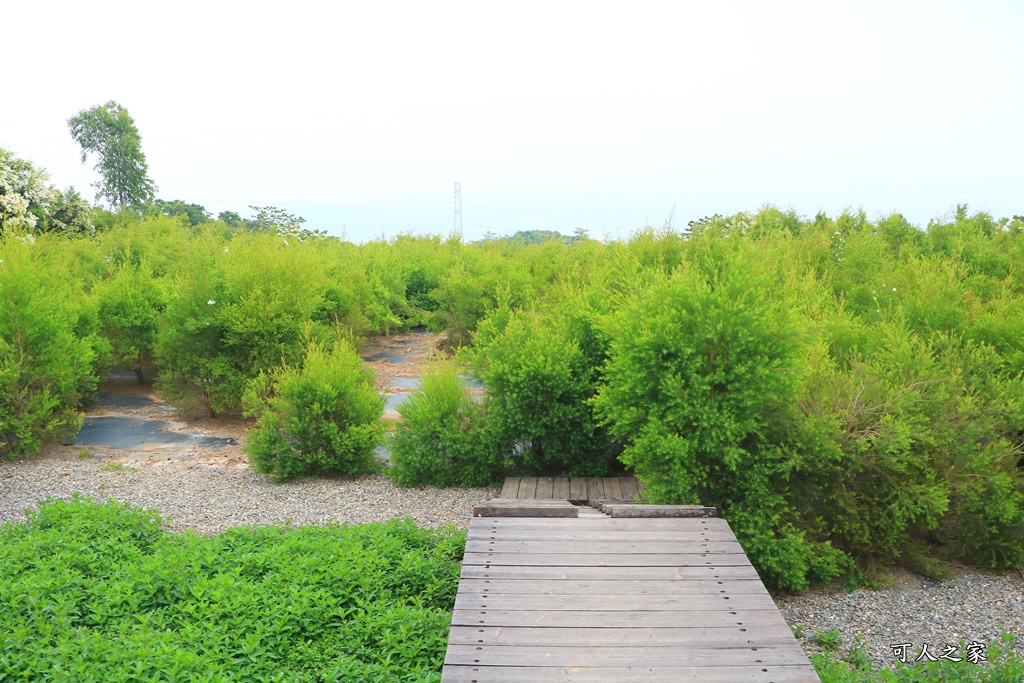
point(458, 210)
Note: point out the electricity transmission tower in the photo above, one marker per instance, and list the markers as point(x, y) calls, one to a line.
point(458, 209)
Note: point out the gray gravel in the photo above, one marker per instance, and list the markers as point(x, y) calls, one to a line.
point(212, 495)
point(972, 606)
point(211, 499)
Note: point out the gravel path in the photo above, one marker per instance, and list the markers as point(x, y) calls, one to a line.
point(972, 606)
point(219, 492)
point(214, 498)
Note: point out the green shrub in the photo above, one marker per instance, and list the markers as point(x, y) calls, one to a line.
point(702, 377)
point(538, 384)
point(322, 417)
point(47, 351)
point(100, 592)
point(440, 439)
point(236, 309)
point(129, 304)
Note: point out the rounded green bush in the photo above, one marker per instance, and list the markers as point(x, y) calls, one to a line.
point(440, 439)
point(321, 418)
point(701, 381)
point(46, 358)
point(539, 383)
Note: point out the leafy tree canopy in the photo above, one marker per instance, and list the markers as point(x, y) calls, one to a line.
point(108, 131)
point(28, 203)
point(196, 213)
point(274, 220)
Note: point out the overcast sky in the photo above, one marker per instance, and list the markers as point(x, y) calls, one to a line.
point(552, 115)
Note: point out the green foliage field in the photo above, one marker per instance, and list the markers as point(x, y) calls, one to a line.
point(849, 393)
point(101, 592)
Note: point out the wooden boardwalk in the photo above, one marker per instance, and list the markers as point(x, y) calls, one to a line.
point(566, 488)
point(594, 598)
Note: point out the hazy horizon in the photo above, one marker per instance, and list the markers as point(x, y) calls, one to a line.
point(552, 116)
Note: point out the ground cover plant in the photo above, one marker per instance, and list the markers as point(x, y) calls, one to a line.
point(1001, 664)
point(848, 392)
point(101, 592)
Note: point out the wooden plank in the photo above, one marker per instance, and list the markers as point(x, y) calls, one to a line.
point(561, 489)
point(513, 502)
point(612, 490)
point(527, 488)
point(609, 547)
point(627, 587)
point(629, 487)
point(605, 560)
point(696, 635)
point(568, 534)
point(633, 656)
point(622, 674)
point(595, 599)
point(578, 488)
point(613, 618)
point(545, 487)
point(511, 488)
point(643, 511)
point(558, 573)
point(524, 508)
point(604, 522)
point(617, 603)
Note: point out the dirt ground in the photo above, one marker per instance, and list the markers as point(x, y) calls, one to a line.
point(172, 441)
point(400, 355)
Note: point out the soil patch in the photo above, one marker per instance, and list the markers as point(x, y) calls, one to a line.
point(131, 425)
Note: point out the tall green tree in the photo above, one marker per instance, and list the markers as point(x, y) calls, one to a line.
point(108, 131)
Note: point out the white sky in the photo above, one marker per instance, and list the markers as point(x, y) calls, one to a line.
point(551, 114)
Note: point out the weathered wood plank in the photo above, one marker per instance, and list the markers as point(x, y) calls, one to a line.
point(524, 508)
point(621, 674)
point(578, 488)
point(617, 603)
point(561, 489)
point(632, 656)
point(596, 599)
point(553, 535)
point(530, 502)
point(527, 488)
point(696, 635)
point(627, 510)
point(558, 573)
point(627, 587)
point(605, 560)
point(609, 547)
point(612, 489)
point(624, 524)
point(545, 487)
point(614, 619)
point(699, 546)
point(511, 488)
point(629, 487)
